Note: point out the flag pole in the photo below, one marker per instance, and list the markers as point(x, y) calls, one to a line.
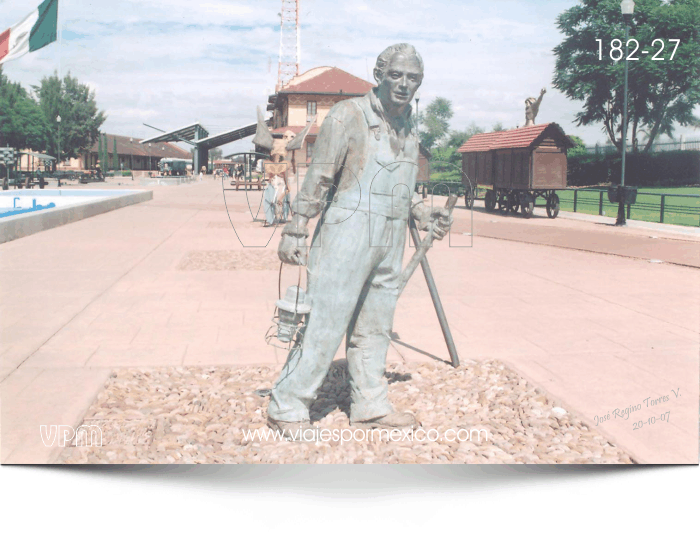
point(60, 37)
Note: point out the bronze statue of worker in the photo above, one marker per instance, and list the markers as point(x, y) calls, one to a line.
point(361, 181)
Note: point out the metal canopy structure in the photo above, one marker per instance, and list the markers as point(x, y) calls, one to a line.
point(192, 132)
point(228, 137)
point(198, 136)
point(36, 155)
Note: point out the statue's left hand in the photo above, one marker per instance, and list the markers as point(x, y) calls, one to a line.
point(441, 222)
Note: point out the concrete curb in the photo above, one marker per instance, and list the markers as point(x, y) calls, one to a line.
point(31, 223)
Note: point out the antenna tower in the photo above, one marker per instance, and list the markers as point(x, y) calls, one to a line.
point(290, 47)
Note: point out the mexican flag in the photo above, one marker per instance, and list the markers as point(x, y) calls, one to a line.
point(30, 34)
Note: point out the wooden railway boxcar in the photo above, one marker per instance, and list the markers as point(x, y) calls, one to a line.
point(517, 166)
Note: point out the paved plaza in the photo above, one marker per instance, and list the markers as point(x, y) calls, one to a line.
point(595, 317)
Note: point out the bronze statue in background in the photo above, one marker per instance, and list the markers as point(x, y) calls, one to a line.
point(532, 107)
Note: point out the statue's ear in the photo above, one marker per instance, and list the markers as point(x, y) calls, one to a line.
point(377, 75)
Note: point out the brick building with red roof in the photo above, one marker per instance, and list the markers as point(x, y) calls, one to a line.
point(131, 154)
point(314, 92)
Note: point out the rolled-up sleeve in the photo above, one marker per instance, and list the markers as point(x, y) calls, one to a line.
point(330, 150)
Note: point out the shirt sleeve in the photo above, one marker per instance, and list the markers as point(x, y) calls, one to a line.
point(330, 150)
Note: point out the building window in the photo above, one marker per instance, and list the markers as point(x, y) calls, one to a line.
point(310, 110)
point(309, 150)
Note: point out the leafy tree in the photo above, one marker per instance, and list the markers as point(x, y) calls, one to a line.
point(22, 124)
point(435, 122)
point(579, 146)
point(80, 118)
point(459, 137)
point(448, 153)
point(498, 127)
point(661, 93)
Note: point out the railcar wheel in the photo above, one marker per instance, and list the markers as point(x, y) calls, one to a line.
point(553, 206)
point(490, 200)
point(469, 198)
point(527, 205)
point(502, 201)
point(513, 202)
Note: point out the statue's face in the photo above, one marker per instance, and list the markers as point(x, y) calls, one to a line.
point(402, 78)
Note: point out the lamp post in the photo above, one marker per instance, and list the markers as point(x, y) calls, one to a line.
point(58, 159)
point(627, 8)
point(150, 167)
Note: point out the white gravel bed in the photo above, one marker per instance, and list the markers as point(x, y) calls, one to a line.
point(201, 415)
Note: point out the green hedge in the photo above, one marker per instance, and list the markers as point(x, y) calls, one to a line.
point(643, 169)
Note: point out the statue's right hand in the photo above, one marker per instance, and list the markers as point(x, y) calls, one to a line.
point(293, 250)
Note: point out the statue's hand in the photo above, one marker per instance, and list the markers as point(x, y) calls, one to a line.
point(421, 216)
point(442, 221)
point(543, 91)
point(292, 248)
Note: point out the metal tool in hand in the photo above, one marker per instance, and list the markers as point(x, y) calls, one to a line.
point(423, 248)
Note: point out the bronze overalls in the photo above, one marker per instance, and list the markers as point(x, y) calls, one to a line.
point(354, 264)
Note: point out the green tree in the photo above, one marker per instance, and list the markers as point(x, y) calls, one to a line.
point(435, 122)
point(80, 118)
point(579, 146)
point(22, 124)
point(661, 93)
point(498, 127)
point(448, 153)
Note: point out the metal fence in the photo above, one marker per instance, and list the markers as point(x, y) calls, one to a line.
point(682, 144)
point(654, 207)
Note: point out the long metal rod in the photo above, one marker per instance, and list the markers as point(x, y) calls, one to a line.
point(423, 249)
point(442, 318)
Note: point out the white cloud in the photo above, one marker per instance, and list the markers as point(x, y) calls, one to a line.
point(171, 62)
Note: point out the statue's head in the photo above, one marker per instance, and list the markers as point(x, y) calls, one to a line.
point(288, 136)
point(530, 101)
point(399, 73)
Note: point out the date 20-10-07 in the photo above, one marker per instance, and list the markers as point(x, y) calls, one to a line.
point(616, 52)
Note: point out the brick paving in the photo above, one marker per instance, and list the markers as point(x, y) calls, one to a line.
point(168, 283)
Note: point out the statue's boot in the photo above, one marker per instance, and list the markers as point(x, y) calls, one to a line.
point(292, 430)
point(391, 420)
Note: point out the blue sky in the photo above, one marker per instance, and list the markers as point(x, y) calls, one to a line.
point(172, 62)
